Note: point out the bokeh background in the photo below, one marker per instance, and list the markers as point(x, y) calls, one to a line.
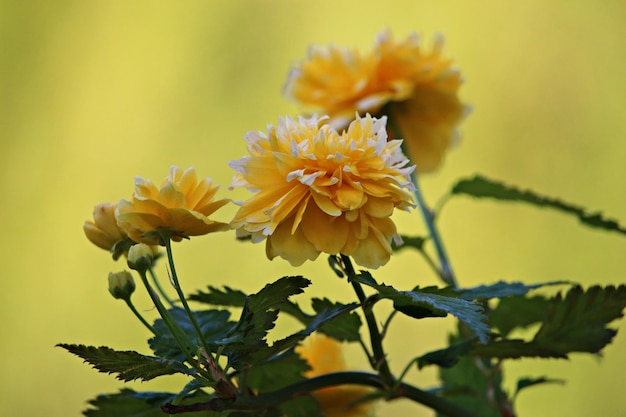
point(93, 93)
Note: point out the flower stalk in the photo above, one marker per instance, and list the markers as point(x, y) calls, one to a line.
point(181, 295)
point(379, 360)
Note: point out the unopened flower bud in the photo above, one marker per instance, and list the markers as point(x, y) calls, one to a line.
point(140, 257)
point(121, 284)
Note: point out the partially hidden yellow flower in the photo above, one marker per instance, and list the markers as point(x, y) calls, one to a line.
point(321, 191)
point(324, 355)
point(417, 89)
point(179, 208)
point(103, 231)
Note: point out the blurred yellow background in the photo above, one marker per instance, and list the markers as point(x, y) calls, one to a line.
point(93, 93)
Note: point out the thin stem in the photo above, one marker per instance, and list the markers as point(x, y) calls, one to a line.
point(274, 398)
point(446, 269)
point(130, 305)
point(181, 296)
point(159, 288)
point(380, 359)
point(178, 334)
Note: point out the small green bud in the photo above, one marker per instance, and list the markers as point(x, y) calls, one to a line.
point(140, 257)
point(121, 284)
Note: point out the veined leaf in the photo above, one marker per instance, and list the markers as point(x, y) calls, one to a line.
point(128, 403)
point(481, 187)
point(501, 289)
point(342, 327)
point(226, 297)
point(469, 312)
point(518, 312)
point(524, 383)
point(574, 323)
point(214, 324)
point(128, 365)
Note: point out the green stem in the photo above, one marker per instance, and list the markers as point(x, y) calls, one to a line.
point(130, 305)
point(380, 359)
point(181, 338)
point(272, 399)
point(157, 284)
point(446, 269)
point(181, 296)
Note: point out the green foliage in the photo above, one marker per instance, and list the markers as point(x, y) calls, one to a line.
point(574, 323)
point(475, 384)
point(128, 365)
point(129, 403)
point(482, 187)
point(417, 303)
point(344, 327)
point(213, 323)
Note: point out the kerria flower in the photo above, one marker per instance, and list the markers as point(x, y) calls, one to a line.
point(179, 208)
point(321, 191)
point(103, 231)
point(324, 355)
point(417, 89)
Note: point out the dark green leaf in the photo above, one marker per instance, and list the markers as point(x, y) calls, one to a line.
point(447, 357)
point(214, 325)
point(246, 341)
point(523, 383)
point(128, 365)
point(128, 403)
point(278, 373)
point(575, 323)
point(482, 187)
point(518, 312)
point(226, 297)
point(305, 406)
point(501, 289)
point(474, 384)
point(344, 327)
point(317, 323)
point(469, 312)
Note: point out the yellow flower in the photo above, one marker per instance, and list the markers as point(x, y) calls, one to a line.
point(180, 207)
point(324, 355)
point(321, 191)
point(417, 89)
point(103, 231)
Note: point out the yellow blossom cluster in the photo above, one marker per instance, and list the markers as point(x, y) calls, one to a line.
point(317, 190)
point(416, 88)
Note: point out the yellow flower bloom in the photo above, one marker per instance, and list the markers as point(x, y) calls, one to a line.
point(417, 89)
point(321, 191)
point(324, 355)
point(180, 207)
point(103, 231)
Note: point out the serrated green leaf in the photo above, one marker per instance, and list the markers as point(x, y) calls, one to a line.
point(482, 187)
point(469, 312)
point(305, 406)
point(575, 323)
point(473, 384)
point(128, 365)
point(518, 312)
point(214, 325)
point(524, 383)
point(317, 323)
point(501, 289)
point(128, 403)
point(245, 343)
point(344, 327)
point(215, 296)
point(277, 373)
point(447, 357)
